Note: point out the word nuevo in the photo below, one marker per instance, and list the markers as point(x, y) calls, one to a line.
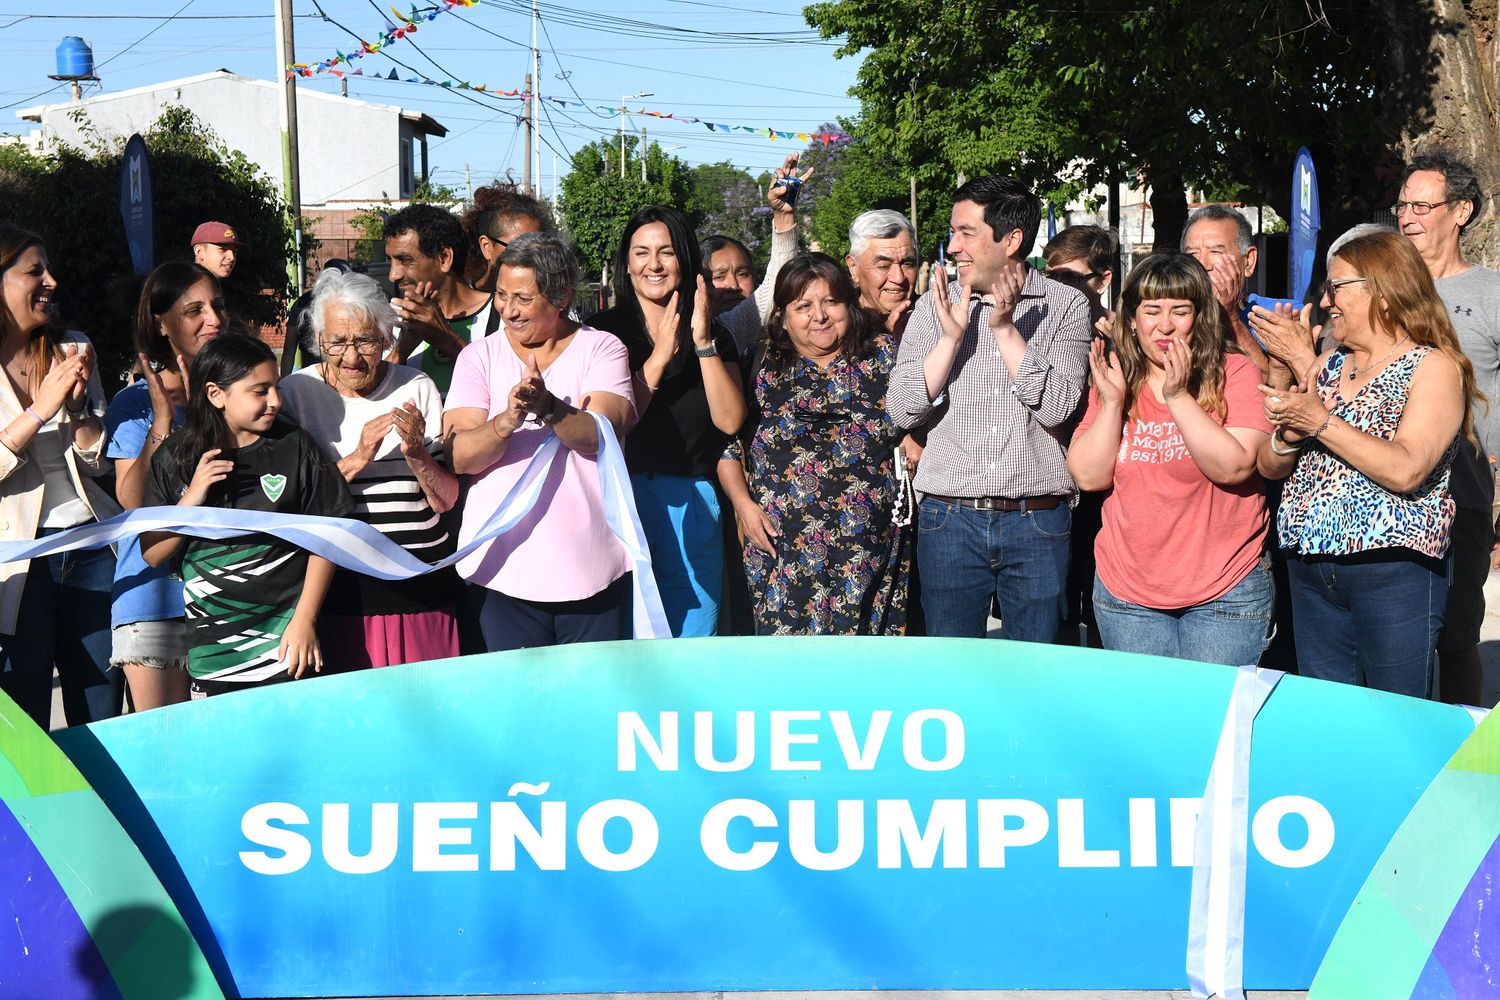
point(743, 834)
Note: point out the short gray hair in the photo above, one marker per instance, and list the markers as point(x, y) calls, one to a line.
point(1363, 229)
point(1219, 213)
point(357, 294)
point(551, 258)
point(878, 224)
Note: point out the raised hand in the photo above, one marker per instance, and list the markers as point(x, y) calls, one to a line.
point(1228, 279)
point(777, 194)
point(411, 427)
point(182, 369)
point(163, 407)
point(1287, 335)
point(702, 320)
point(61, 383)
point(953, 317)
point(664, 335)
point(211, 469)
point(1109, 380)
point(1178, 362)
point(78, 395)
point(895, 320)
point(530, 397)
point(371, 436)
point(1007, 292)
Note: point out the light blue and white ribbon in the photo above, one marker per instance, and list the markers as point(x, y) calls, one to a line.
point(356, 546)
point(1216, 920)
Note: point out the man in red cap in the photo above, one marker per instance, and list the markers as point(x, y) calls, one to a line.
point(215, 246)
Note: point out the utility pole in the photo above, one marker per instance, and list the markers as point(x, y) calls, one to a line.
point(533, 140)
point(644, 147)
point(468, 182)
point(622, 137)
point(530, 115)
point(914, 209)
point(290, 171)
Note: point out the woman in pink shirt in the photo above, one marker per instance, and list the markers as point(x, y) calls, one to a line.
point(560, 575)
point(1173, 424)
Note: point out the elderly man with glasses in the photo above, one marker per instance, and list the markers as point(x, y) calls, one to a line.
point(1440, 196)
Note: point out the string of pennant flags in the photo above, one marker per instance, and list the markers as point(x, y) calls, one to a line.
point(339, 64)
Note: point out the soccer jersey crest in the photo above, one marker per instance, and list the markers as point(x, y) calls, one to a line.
point(272, 485)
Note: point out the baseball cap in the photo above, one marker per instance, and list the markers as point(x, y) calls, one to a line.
point(216, 232)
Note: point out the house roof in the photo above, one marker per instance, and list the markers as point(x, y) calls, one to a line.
point(424, 122)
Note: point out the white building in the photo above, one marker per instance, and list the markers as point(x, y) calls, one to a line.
point(353, 152)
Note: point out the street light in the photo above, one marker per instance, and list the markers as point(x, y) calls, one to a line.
point(623, 99)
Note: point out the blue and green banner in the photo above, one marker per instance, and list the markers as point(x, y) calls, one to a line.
point(756, 814)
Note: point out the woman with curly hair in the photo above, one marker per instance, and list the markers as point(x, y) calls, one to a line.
point(1173, 424)
point(816, 495)
point(1368, 439)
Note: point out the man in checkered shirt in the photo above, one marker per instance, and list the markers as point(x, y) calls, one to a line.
point(993, 368)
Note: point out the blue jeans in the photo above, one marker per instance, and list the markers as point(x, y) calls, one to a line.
point(969, 557)
point(1370, 619)
point(1232, 629)
point(64, 621)
point(680, 516)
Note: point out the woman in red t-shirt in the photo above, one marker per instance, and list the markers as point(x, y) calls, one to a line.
point(1172, 428)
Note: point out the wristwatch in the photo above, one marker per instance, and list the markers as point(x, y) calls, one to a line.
point(711, 351)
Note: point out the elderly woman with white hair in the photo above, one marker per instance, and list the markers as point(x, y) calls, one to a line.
point(382, 424)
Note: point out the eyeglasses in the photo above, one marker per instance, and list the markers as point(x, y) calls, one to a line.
point(1418, 207)
point(364, 345)
point(1331, 287)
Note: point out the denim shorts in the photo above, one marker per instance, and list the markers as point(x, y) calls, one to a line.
point(160, 644)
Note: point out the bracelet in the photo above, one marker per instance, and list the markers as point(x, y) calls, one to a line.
point(154, 438)
point(1326, 421)
point(1291, 449)
point(81, 413)
point(36, 416)
point(493, 427)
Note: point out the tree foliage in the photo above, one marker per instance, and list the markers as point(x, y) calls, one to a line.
point(596, 201)
point(70, 198)
point(725, 200)
point(1068, 96)
point(370, 223)
point(854, 175)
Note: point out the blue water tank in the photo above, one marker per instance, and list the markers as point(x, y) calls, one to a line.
point(75, 57)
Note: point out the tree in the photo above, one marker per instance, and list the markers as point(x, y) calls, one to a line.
point(69, 197)
point(1069, 96)
point(370, 224)
point(596, 201)
point(726, 201)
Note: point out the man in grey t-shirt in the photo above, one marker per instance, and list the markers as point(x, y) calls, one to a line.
point(1439, 197)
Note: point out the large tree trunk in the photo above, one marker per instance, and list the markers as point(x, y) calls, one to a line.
point(1169, 211)
point(1461, 112)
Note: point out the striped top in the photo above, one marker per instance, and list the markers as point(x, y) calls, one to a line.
point(386, 492)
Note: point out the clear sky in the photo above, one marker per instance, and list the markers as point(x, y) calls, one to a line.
point(719, 61)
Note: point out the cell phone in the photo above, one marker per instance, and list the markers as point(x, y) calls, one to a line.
point(793, 186)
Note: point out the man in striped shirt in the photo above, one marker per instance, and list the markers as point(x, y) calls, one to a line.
point(993, 368)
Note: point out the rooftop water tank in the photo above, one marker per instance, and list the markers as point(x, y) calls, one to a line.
point(74, 57)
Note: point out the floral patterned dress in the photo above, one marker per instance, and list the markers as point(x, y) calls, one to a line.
point(821, 464)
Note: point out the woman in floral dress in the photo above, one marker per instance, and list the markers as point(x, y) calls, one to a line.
point(813, 478)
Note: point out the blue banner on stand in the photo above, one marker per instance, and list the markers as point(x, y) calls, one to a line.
point(1306, 220)
point(755, 814)
point(136, 210)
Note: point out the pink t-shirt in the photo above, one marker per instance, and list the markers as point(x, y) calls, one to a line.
point(1171, 537)
point(563, 550)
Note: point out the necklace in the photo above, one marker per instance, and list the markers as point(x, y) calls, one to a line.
point(1354, 369)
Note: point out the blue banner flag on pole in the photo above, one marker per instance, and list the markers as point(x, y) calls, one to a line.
point(1306, 221)
point(135, 205)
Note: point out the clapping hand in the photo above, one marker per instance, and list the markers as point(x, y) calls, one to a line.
point(953, 316)
point(1007, 292)
point(1177, 360)
point(1109, 380)
point(411, 428)
point(1287, 335)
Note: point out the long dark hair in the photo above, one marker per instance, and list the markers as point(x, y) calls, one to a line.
point(223, 361)
point(162, 290)
point(1173, 276)
point(791, 282)
point(44, 345)
point(689, 264)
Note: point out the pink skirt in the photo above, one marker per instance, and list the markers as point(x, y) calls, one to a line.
point(354, 642)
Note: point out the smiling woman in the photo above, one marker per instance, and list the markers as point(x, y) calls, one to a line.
point(381, 424)
point(51, 447)
point(1171, 431)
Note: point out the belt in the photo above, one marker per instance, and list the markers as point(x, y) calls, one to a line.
point(1003, 503)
